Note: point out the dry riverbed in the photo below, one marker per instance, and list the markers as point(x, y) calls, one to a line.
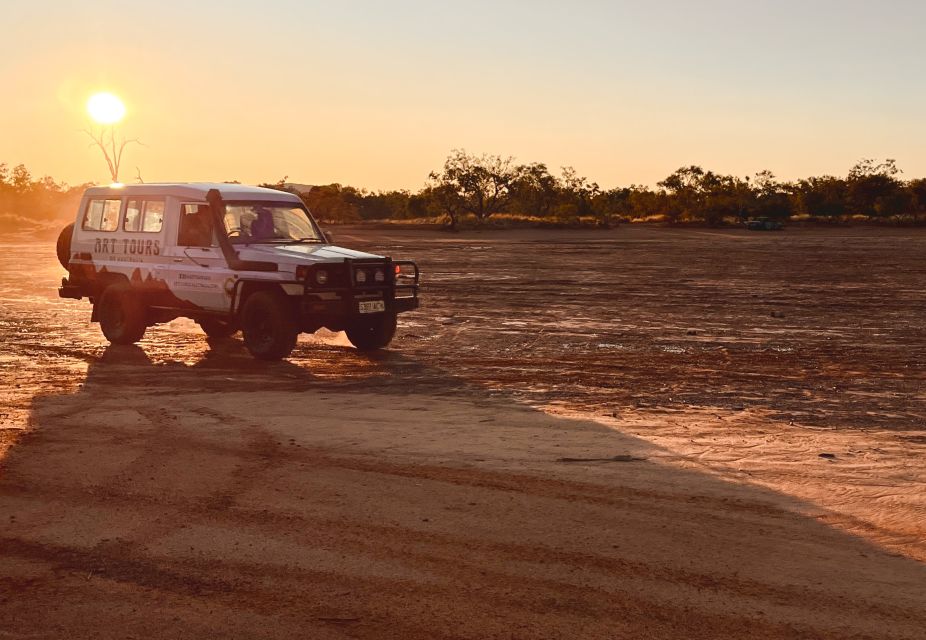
point(628, 433)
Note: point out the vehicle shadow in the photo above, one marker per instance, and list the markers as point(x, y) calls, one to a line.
point(225, 365)
point(211, 496)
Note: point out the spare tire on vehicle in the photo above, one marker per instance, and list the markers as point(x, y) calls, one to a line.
point(64, 245)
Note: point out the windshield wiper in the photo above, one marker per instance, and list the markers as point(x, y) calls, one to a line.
point(301, 240)
point(249, 241)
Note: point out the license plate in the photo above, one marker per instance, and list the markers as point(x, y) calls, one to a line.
point(372, 306)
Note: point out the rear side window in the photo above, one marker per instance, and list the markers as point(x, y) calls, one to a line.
point(144, 216)
point(102, 215)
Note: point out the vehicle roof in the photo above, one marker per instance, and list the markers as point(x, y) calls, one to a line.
point(193, 191)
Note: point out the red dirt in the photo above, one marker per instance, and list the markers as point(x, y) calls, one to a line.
point(580, 434)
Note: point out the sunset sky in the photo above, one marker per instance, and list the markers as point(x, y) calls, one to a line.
point(375, 94)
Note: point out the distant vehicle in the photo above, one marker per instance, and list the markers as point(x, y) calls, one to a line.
point(764, 224)
point(230, 257)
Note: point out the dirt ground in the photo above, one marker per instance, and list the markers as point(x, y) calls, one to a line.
point(640, 433)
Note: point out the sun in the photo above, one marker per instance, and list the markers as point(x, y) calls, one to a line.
point(105, 108)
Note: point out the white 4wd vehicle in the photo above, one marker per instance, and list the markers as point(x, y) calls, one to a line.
point(230, 257)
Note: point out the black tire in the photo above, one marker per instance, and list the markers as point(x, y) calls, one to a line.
point(122, 314)
point(63, 248)
point(268, 325)
point(217, 329)
point(375, 332)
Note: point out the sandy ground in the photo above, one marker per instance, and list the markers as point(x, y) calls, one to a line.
point(636, 433)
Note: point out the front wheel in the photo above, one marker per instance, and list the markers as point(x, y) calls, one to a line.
point(122, 314)
point(268, 325)
point(368, 334)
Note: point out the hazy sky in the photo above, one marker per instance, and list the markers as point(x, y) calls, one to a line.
point(376, 94)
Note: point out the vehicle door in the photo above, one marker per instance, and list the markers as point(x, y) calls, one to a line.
point(199, 274)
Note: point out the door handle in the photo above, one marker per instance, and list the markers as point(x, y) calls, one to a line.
point(178, 259)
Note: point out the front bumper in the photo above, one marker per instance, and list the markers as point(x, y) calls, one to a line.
point(332, 303)
point(349, 306)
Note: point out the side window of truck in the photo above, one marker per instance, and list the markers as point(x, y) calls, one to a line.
point(146, 216)
point(102, 215)
point(195, 226)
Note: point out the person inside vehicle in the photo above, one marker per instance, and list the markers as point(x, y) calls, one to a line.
point(195, 227)
point(262, 226)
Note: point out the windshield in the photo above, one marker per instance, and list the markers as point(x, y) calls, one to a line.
point(268, 222)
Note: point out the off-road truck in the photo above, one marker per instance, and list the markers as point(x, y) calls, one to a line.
point(230, 257)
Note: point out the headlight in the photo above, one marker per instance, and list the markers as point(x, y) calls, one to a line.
point(321, 276)
point(379, 276)
point(360, 275)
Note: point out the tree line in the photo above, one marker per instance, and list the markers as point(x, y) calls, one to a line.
point(481, 189)
point(29, 202)
point(474, 189)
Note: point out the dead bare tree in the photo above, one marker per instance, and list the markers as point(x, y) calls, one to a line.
point(111, 148)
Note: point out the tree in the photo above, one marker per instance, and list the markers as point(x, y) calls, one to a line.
point(822, 196)
point(477, 185)
point(646, 202)
point(770, 198)
point(917, 190)
point(332, 203)
point(577, 192)
point(21, 179)
point(874, 189)
point(384, 205)
point(447, 200)
point(684, 189)
point(111, 146)
point(421, 204)
point(534, 191)
point(722, 197)
point(616, 202)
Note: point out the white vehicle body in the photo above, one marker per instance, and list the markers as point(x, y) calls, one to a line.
point(193, 249)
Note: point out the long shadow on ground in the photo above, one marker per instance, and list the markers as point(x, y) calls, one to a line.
point(225, 497)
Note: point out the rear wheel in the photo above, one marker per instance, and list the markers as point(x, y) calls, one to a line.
point(122, 314)
point(63, 247)
point(376, 332)
point(268, 325)
point(217, 329)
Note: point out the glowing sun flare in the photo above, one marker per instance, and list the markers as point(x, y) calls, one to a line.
point(105, 108)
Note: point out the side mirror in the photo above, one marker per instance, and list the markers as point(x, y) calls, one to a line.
point(329, 237)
